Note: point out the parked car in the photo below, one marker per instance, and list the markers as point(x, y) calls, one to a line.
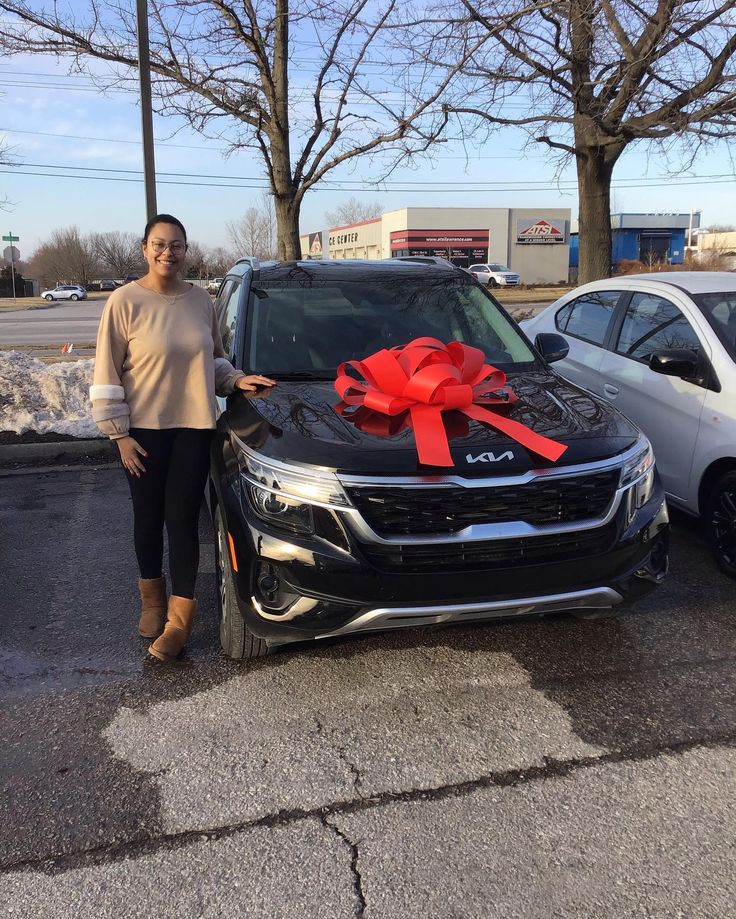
point(326, 524)
point(214, 285)
point(662, 349)
point(494, 275)
point(423, 259)
point(108, 284)
point(65, 292)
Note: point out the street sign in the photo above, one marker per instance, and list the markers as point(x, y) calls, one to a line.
point(11, 253)
point(11, 250)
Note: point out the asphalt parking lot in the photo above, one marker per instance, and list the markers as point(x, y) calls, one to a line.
point(527, 769)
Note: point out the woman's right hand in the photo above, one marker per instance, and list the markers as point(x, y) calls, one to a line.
point(129, 450)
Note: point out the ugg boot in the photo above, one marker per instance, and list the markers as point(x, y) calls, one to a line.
point(153, 606)
point(177, 629)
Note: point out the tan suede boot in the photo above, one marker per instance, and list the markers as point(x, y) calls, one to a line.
point(153, 606)
point(177, 629)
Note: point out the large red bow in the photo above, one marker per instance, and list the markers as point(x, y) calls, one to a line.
point(426, 378)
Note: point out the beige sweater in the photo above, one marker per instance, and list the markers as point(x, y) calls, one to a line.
point(159, 364)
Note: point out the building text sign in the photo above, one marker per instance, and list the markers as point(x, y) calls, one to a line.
point(540, 232)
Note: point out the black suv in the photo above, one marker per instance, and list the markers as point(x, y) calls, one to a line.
point(328, 526)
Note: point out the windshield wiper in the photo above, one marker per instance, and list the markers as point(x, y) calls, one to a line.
point(300, 375)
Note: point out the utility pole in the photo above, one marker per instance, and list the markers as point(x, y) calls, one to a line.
point(12, 239)
point(144, 77)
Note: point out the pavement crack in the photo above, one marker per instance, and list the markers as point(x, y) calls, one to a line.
point(551, 769)
point(342, 753)
point(354, 856)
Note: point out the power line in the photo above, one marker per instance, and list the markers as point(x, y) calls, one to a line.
point(371, 182)
point(327, 185)
point(161, 143)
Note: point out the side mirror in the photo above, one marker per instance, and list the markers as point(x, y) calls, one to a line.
point(551, 346)
point(675, 362)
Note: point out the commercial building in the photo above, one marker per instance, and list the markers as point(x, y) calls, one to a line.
point(534, 242)
point(647, 238)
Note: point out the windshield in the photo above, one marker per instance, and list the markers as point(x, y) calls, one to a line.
point(313, 328)
point(496, 267)
point(720, 311)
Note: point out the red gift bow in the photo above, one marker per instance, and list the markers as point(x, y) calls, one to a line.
point(426, 378)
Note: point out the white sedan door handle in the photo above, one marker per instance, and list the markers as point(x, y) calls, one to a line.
point(610, 390)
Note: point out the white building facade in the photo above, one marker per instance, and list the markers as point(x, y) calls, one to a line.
point(534, 242)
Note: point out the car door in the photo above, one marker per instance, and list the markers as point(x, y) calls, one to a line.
point(585, 322)
point(227, 311)
point(668, 409)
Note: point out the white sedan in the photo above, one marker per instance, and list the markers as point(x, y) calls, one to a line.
point(65, 292)
point(662, 349)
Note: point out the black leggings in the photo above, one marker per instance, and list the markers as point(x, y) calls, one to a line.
point(170, 492)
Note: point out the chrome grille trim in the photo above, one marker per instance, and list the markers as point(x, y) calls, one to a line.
point(488, 531)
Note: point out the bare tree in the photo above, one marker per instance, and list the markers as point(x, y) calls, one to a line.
point(353, 211)
point(592, 77)
point(253, 233)
point(67, 258)
point(221, 64)
point(119, 254)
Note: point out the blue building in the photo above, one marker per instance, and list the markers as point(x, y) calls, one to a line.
point(646, 238)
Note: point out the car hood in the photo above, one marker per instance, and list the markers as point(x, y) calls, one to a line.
point(297, 423)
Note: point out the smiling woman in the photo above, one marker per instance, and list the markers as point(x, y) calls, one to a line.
point(160, 363)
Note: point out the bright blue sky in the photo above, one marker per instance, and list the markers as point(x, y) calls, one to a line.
point(52, 119)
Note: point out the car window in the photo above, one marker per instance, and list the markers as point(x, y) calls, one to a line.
point(223, 296)
point(653, 323)
point(588, 316)
point(229, 317)
point(719, 308)
point(293, 326)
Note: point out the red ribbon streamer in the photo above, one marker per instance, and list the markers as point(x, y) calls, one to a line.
point(422, 380)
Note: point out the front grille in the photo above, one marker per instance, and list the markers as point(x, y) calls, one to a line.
point(397, 511)
point(500, 553)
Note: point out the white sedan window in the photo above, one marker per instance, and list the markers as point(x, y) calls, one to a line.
point(654, 324)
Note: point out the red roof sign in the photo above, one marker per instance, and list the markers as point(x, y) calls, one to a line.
point(542, 232)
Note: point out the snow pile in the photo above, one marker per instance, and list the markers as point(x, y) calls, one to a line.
point(45, 397)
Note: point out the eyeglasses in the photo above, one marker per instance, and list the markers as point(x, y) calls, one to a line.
point(159, 246)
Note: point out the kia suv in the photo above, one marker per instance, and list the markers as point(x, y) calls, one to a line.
point(328, 523)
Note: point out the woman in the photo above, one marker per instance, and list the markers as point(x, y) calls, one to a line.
point(159, 364)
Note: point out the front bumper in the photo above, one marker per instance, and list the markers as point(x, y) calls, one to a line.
point(325, 590)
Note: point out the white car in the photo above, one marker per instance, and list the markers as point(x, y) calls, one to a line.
point(662, 349)
point(65, 292)
point(214, 285)
point(494, 275)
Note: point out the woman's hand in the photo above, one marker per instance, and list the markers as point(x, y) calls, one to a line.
point(253, 381)
point(129, 450)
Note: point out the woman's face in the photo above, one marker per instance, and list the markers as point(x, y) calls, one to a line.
point(165, 250)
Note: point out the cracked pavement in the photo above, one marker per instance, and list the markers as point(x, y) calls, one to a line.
point(538, 768)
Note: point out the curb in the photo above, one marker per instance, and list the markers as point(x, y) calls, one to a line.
point(55, 450)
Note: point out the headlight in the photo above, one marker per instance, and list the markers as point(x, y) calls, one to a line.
point(292, 515)
point(638, 474)
point(318, 486)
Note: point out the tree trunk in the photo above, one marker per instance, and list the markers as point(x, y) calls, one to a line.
point(287, 206)
point(595, 169)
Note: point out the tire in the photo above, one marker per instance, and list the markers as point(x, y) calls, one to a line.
point(74, 297)
point(236, 639)
point(49, 297)
point(492, 282)
point(720, 522)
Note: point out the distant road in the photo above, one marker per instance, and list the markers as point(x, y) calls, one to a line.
point(78, 322)
point(65, 321)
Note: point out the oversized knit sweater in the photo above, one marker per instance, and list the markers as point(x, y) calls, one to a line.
point(159, 364)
